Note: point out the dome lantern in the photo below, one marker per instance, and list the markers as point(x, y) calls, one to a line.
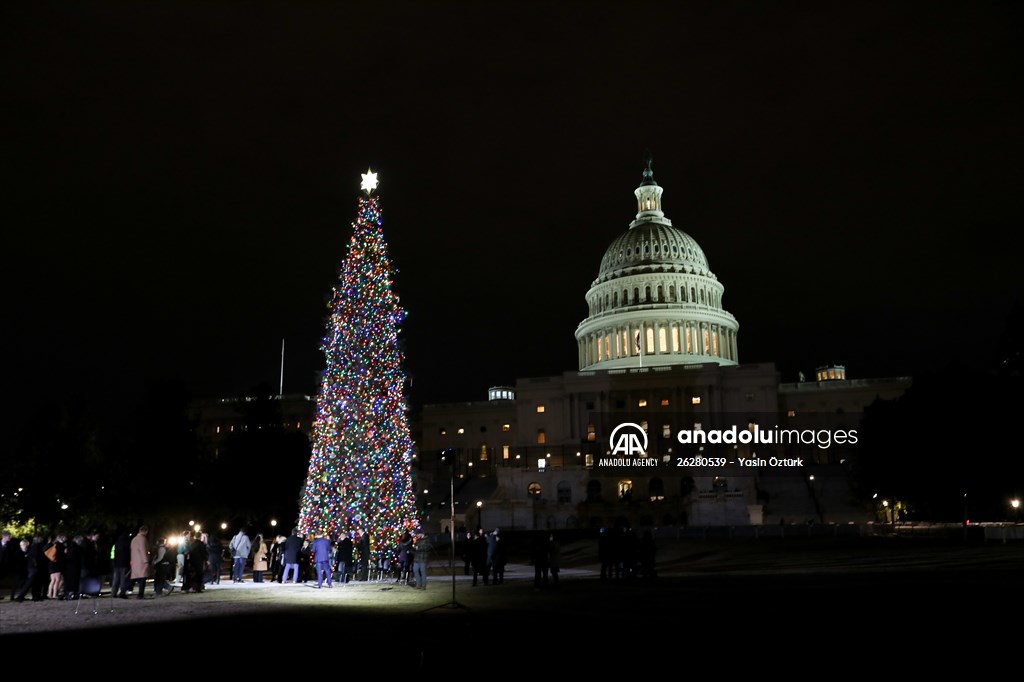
point(655, 300)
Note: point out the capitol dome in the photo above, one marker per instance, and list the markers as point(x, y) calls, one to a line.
point(655, 301)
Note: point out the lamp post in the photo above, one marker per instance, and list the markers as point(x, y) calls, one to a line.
point(1015, 503)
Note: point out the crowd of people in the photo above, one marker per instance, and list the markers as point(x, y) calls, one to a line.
point(484, 556)
point(624, 556)
point(58, 568)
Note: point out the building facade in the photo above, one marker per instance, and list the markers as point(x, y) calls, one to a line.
point(658, 355)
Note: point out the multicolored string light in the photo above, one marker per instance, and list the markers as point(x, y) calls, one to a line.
point(360, 477)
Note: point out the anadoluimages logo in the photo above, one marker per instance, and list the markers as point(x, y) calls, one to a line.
point(628, 439)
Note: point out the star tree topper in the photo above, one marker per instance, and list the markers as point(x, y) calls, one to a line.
point(369, 181)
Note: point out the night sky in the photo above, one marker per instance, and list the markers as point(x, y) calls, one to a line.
point(179, 180)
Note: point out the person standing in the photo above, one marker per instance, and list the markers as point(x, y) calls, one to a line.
point(213, 557)
point(73, 568)
point(240, 547)
point(163, 569)
point(140, 560)
point(259, 559)
point(480, 557)
point(277, 559)
point(364, 554)
point(491, 544)
point(467, 550)
point(292, 550)
point(186, 541)
point(554, 558)
point(92, 570)
point(540, 560)
point(198, 557)
point(322, 558)
point(499, 560)
point(7, 549)
point(405, 557)
point(344, 556)
point(35, 571)
point(56, 567)
point(122, 557)
point(18, 558)
point(421, 554)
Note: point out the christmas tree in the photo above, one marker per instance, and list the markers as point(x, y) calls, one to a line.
point(359, 479)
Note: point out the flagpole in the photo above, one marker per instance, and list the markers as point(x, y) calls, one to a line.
point(280, 390)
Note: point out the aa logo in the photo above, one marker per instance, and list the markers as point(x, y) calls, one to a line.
point(629, 439)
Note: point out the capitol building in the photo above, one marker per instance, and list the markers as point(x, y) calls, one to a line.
point(660, 353)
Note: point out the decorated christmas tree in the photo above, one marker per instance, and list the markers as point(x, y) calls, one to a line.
point(359, 479)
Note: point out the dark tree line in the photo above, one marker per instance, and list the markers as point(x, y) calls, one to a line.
point(952, 434)
point(80, 464)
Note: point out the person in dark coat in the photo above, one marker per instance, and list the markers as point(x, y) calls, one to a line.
point(122, 561)
point(214, 552)
point(467, 550)
point(292, 552)
point(554, 558)
point(364, 554)
point(344, 557)
point(322, 557)
point(36, 571)
point(498, 560)
point(540, 560)
point(8, 547)
point(480, 557)
point(405, 557)
point(305, 561)
point(277, 559)
point(195, 565)
point(630, 548)
point(18, 563)
point(73, 568)
point(92, 567)
point(604, 553)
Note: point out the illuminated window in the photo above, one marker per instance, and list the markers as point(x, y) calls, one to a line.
point(642, 402)
point(540, 409)
point(504, 452)
point(541, 438)
point(298, 425)
point(650, 334)
point(791, 413)
point(666, 430)
point(750, 426)
point(675, 330)
point(664, 402)
point(443, 431)
point(533, 491)
point(662, 340)
point(643, 425)
point(831, 374)
point(232, 428)
point(461, 431)
point(483, 452)
point(588, 461)
point(625, 490)
point(218, 429)
point(696, 426)
point(591, 432)
point(695, 400)
point(506, 427)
